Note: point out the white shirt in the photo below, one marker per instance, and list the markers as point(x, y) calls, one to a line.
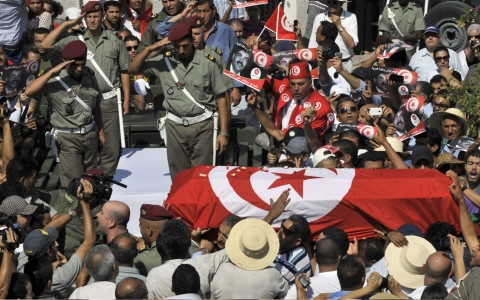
point(417, 294)
point(349, 23)
point(423, 63)
point(288, 110)
point(325, 282)
point(159, 279)
point(96, 290)
point(381, 268)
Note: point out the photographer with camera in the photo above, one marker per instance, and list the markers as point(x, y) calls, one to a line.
point(42, 245)
point(7, 247)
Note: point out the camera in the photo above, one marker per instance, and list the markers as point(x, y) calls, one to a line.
point(303, 280)
point(8, 111)
point(375, 111)
point(100, 184)
point(276, 72)
point(474, 42)
point(396, 78)
point(10, 223)
point(41, 121)
point(329, 54)
point(384, 285)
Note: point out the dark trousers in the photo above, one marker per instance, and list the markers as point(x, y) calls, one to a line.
point(110, 153)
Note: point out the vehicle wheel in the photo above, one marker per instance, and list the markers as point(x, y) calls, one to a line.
point(445, 16)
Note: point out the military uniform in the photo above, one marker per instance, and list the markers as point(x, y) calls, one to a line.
point(147, 259)
point(188, 145)
point(74, 127)
point(408, 20)
point(218, 58)
point(150, 35)
point(112, 57)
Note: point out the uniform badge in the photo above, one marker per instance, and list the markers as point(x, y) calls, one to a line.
point(170, 91)
point(144, 211)
point(198, 22)
point(180, 85)
point(90, 55)
point(391, 15)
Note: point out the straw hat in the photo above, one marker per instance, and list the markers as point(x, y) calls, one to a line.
point(435, 120)
point(252, 244)
point(396, 144)
point(447, 158)
point(406, 264)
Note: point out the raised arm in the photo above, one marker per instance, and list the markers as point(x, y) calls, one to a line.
point(53, 36)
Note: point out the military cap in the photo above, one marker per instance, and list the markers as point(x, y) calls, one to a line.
point(180, 31)
point(154, 212)
point(76, 50)
point(92, 6)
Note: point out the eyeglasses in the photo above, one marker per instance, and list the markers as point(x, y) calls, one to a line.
point(351, 109)
point(431, 34)
point(440, 105)
point(442, 58)
point(129, 48)
point(477, 37)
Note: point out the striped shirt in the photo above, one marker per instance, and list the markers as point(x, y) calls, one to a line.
point(222, 6)
point(293, 262)
point(11, 21)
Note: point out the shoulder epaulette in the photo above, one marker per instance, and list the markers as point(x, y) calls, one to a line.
point(168, 54)
point(154, 15)
point(218, 51)
point(210, 57)
point(143, 248)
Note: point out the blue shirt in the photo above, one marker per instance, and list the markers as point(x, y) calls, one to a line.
point(164, 27)
point(222, 37)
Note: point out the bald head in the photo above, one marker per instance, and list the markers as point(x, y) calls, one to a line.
point(131, 288)
point(120, 212)
point(438, 268)
point(124, 247)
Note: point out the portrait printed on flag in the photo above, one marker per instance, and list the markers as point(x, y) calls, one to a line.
point(17, 77)
point(241, 66)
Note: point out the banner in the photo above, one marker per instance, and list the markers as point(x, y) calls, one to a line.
point(241, 67)
point(17, 77)
point(354, 200)
point(243, 3)
point(283, 58)
point(408, 121)
point(378, 77)
point(367, 131)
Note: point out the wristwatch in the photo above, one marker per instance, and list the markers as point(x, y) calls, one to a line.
point(341, 29)
point(70, 213)
point(225, 134)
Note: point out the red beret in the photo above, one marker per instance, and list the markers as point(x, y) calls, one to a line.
point(196, 21)
point(154, 212)
point(180, 31)
point(298, 70)
point(92, 6)
point(76, 50)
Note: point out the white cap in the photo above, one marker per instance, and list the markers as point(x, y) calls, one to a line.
point(339, 89)
point(72, 13)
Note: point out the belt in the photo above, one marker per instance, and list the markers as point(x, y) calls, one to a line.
point(346, 59)
point(109, 95)
point(81, 130)
point(186, 121)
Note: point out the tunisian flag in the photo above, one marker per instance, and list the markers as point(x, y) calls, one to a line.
point(354, 200)
point(279, 23)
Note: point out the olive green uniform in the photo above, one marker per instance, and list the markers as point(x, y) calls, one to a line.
point(188, 145)
point(74, 128)
point(147, 259)
point(217, 54)
point(112, 57)
point(71, 237)
point(408, 20)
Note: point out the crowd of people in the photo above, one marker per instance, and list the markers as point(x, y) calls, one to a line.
point(98, 64)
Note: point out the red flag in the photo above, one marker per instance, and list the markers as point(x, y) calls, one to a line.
point(279, 23)
point(271, 23)
point(354, 200)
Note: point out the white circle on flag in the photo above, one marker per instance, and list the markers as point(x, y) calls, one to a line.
point(255, 73)
point(282, 88)
point(403, 90)
point(318, 105)
point(412, 104)
point(32, 66)
point(330, 117)
point(367, 131)
point(260, 59)
point(305, 54)
point(286, 24)
point(317, 200)
point(285, 98)
point(415, 120)
point(299, 119)
point(407, 76)
point(295, 70)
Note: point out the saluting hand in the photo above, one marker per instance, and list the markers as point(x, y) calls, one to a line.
point(72, 22)
point(56, 70)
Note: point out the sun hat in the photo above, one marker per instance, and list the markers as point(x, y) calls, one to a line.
point(396, 144)
point(435, 120)
point(325, 152)
point(447, 158)
point(406, 264)
point(252, 244)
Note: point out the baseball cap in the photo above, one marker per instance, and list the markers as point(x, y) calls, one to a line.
point(325, 152)
point(339, 90)
point(16, 205)
point(297, 145)
point(421, 152)
point(292, 133)
point(38, 241)
point(410, 229)
point(433, 29)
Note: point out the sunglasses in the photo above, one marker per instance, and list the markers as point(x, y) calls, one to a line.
point(345, 110)
point(440, 105)
point(442, 58)
point(129, 48)
point(431, 34)
point(477, 37)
